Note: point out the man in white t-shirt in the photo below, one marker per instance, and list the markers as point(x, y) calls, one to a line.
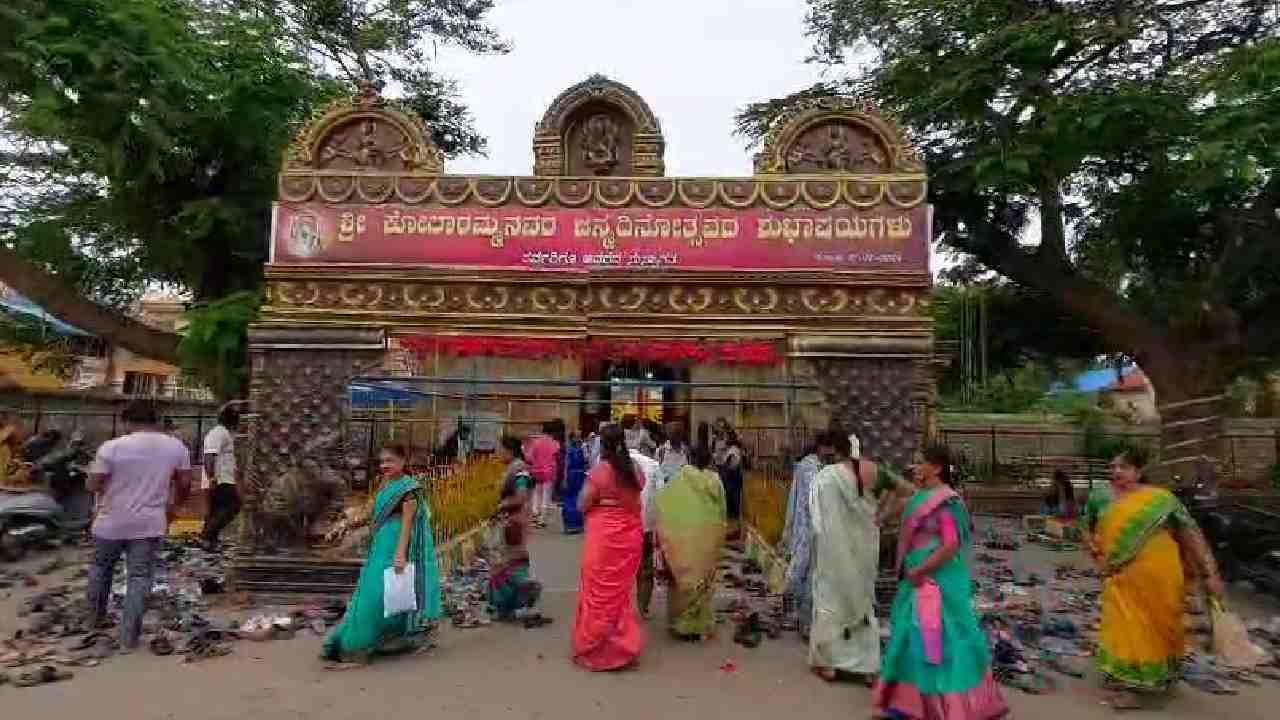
point(220, 476)
point(648, 509)
point(139, 478)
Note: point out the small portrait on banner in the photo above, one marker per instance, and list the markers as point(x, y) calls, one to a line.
point(306, 234)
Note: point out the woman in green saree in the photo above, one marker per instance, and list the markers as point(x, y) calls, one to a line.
point(691, 531)
point(401, 528)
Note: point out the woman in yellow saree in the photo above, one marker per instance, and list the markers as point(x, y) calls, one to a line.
point(691, 532)
point(1139, 540)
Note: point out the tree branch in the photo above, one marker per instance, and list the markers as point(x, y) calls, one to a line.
point(28, 160)
point(1120, 328)
point(1085, 62)
point(1053, 232)
point(65, 302)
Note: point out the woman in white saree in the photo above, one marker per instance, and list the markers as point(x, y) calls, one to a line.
point(845, 637)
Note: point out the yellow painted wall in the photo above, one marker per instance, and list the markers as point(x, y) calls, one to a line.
point(13, 367)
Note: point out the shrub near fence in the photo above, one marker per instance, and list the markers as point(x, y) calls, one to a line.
point(764, 502)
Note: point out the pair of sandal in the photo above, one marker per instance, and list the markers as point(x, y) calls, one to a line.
point(469, 618)
point(1031, 683)
point(531, 622)
point(750, 632)
point(161, 645)
point(43, 675)
point(1122, 701)
point(96, 646)
point(207, 644)
point(1063, 666)
point(831, 675)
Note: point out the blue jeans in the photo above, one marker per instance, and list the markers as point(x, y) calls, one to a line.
point(140, 556)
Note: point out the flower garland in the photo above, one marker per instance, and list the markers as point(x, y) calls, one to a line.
point(752, 352)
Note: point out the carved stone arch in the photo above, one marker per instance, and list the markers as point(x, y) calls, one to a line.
point(598, 127)
point(364, 134)
point(838, 136)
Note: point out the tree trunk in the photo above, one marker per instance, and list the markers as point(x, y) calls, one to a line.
point(65, 302)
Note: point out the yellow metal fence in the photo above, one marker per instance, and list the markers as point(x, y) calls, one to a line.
point(764, 502)
point(462, 497)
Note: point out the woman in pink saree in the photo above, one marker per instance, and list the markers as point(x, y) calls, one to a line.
point(607, 634)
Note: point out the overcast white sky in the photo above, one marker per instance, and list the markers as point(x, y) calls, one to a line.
point(695, 61)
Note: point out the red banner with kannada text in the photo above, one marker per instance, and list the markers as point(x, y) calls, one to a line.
point(602, 240)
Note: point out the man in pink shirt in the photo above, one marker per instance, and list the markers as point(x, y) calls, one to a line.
point(542, 452)
point(139, 478)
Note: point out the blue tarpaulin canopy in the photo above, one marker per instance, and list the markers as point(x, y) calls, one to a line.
point(14, 304)
point(1095, 380)
point(374, 394)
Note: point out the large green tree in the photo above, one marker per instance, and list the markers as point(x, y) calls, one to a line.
point(140, 139)
point(1122, 157)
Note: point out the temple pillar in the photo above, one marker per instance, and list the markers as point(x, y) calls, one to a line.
point(879, 388)
point(298, 395)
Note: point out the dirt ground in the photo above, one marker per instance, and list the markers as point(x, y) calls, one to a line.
point(501, 672)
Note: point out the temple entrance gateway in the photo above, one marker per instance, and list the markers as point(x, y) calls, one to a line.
point(597, 271)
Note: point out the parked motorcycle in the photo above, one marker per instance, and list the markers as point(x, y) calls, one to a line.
point(1245, 540)
point(59, 505)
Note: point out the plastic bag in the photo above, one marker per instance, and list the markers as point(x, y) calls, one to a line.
point(398, 595)
point(929, 615)
point(1231, 643)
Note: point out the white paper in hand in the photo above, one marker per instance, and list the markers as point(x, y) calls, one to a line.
point(398, 595)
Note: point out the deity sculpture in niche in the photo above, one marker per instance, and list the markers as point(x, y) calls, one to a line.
point(836, 147)
point(598, 127)
point(599, 144)
point(363, 145)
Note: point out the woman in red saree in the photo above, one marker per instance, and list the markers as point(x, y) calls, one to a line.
point(607, 634)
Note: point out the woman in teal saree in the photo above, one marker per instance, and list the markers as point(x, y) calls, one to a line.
point(401, 536)
point(936, 665)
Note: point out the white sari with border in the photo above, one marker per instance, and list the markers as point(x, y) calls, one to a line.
point(846, 549)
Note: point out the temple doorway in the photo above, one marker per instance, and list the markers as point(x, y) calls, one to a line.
point(614, 389)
